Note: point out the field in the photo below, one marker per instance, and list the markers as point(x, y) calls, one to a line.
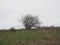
point(30, 37)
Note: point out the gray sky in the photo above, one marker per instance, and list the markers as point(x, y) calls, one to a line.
point(12, 10)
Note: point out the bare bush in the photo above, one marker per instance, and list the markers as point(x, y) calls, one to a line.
point(12, 29)
point(30, 21)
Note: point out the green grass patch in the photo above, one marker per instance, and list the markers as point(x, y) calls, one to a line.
point(30, 37)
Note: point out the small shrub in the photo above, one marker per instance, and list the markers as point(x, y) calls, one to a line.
point(12, 29)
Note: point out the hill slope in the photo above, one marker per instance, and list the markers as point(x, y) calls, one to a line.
point(30, 37)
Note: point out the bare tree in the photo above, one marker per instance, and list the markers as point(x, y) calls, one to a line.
point(30, 21)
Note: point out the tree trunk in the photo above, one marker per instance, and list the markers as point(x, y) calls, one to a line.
point(28, 27)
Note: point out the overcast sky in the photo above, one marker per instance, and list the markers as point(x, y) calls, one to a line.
point(12, 10)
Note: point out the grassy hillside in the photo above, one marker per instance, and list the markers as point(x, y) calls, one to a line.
point(30, 37)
